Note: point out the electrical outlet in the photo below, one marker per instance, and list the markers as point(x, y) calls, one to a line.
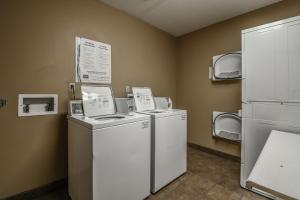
point(3, 102)
point(71, 87)
point(127, 89)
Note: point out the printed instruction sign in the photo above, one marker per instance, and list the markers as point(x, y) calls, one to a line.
point(93, 61)
point(97, 100)
point(143, 99)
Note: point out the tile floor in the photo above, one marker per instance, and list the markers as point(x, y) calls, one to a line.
point(209, 177)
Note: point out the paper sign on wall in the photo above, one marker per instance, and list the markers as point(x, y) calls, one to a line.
point(143, 99)
point(93, 61)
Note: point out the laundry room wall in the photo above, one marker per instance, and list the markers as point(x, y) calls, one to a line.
point(37, 56)
point(196, 92)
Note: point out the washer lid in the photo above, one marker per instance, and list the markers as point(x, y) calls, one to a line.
point(143, 98)
point(164, 113)
point(108, 121)
point(97, 100)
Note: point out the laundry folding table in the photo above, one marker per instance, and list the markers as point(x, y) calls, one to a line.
point(277, 169)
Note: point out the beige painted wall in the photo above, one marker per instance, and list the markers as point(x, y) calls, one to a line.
point(196, 92)
point(37, 56)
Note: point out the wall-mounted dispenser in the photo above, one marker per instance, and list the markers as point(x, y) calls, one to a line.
point(227, 125)
point(226, 67)
point(37, 104)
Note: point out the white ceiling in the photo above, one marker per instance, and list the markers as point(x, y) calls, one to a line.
point(179, 17)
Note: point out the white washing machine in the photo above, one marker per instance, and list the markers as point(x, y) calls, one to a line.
point(109, 155)
point(168, 139)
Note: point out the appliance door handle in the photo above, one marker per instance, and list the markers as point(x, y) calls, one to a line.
point(267, 123)
point(297, 102)
point(270, 101)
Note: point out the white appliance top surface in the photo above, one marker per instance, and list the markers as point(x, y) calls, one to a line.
point(109, 120)
point(164, 113)
point(277, 167)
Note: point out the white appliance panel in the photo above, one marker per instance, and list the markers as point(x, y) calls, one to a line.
point(260, 62)
point(243, 141)
point(242, 176)
point(247, 110)
point(256, 133)
point(121, 158)
point(170, 149)
point(244, 95)
point(79, 161)
point(293, 33)
point(277, 169)
point(287, 112)
point(265, 63)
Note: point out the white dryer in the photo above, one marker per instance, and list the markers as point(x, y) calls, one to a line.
point(168, 139)
point(109, 155)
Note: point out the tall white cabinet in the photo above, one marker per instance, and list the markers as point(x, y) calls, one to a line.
point(271, 62)
point(270, 86)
